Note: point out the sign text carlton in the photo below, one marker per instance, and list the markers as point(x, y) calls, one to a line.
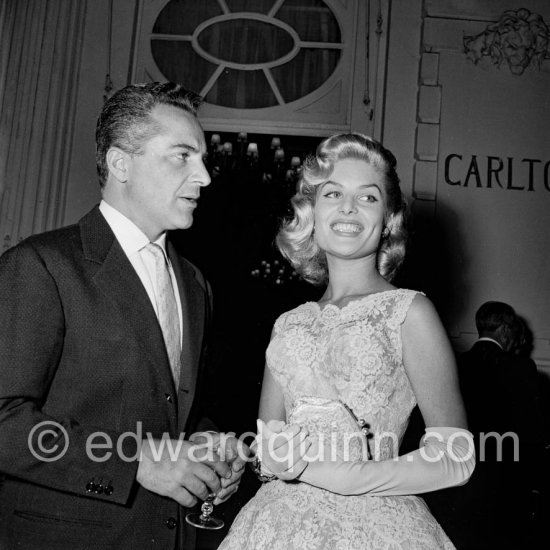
point(525, 174)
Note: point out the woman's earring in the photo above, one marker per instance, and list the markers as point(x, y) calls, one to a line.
point(386, 233)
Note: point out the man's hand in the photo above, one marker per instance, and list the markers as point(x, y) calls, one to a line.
point(231, 451)
point(236, 453)
point(180, 470)
point(281, 448)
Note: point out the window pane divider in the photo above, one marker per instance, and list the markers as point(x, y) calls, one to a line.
point(223, 6)
point(274, 86)
point(175, 37)
point(206, 88)
point(275, 8)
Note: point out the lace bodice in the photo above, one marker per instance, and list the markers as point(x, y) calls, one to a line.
point(352, 354)
point(323, 359)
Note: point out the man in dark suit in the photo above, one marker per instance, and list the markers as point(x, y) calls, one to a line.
point(103, 329)
point(501, 399)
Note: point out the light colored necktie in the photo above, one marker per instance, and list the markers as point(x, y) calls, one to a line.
point(167, 309)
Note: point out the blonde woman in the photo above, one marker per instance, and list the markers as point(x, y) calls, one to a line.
point(343, 375)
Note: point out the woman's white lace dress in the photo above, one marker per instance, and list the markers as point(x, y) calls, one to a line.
point(321, 358)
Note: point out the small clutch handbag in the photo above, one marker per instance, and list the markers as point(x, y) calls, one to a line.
point(339, 432)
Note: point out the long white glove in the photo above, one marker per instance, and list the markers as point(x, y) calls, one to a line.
point(446, 458)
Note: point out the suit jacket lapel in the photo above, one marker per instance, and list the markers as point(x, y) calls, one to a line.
point(193, 313)
point(118, 280)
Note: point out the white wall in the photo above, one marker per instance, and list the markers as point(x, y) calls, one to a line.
point(479, 243)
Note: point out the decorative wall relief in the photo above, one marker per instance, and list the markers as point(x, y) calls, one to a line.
point(520, 38)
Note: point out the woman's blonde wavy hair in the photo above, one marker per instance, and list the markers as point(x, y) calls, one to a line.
point(296, 239)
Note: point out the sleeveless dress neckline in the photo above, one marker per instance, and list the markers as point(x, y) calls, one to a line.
point(322, 358)
point(355, 301)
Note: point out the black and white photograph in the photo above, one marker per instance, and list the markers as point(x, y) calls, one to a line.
point(274, 274)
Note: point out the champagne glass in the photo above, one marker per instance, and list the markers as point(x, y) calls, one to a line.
point(205, 520)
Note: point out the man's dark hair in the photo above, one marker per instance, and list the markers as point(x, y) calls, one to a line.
point(497, 320)
point(125, 120)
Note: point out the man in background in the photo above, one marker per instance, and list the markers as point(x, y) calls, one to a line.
point(501, 399)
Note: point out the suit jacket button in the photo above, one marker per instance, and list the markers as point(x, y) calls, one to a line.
point(168, 397)
point(171, 523)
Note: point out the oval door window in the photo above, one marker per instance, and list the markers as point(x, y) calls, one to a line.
point(247, 54)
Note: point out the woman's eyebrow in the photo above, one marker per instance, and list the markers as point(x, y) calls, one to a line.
point(363, 186)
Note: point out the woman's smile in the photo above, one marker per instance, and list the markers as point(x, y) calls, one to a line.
point(346, 228)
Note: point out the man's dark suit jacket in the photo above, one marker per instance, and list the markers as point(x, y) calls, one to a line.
point(500, 391)
point(500, 395)
point(80, 345)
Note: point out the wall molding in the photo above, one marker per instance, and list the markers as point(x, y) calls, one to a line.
point(428, 117)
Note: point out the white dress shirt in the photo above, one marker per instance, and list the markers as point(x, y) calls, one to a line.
point(132, 240)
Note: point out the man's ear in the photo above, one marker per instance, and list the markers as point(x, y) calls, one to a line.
point(118, 163)
point(504, 335)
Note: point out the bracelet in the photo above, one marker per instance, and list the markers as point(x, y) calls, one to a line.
point(257, 469)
